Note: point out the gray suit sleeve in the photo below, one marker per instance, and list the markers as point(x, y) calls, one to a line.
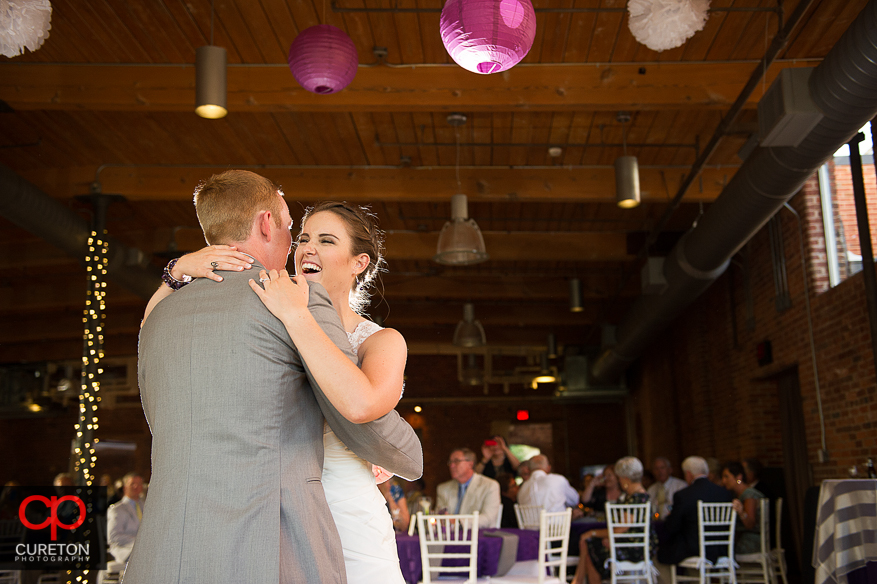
point(389, 441)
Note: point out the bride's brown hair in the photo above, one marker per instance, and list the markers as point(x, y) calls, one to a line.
point(365, 238)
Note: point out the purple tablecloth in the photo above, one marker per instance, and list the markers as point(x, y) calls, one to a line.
point(408, 547)
point(528, 542)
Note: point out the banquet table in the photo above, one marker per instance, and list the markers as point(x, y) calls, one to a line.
point(846, 529)
point(489, 550)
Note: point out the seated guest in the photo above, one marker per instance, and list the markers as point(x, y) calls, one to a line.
point(648, 479)
point(603, 489)
point(396, 503)
point(594, 544)
point(508, 493)
point(123, 518)
point(753, 469)
point(497, 458)
point(747, 535)
point(715, 475)
point(524, 470)
point(546, 489)
point(680, 529)
point(664, 487)
point(468, 491)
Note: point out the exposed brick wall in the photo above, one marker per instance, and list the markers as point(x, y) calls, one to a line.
point(728, 406)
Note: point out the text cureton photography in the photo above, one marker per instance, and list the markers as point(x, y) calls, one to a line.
point(56, 528)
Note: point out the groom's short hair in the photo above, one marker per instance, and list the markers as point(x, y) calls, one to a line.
point(227, 203)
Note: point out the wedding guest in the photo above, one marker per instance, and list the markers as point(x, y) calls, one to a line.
point(496, 458)
point(747, 535)
point(594, 544)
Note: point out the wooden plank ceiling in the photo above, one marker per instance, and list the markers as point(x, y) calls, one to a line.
point(109, 98)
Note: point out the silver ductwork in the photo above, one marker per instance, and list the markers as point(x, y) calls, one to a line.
point(844, 87)
point(30, 208)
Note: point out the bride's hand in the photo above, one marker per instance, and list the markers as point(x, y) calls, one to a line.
point(382, 475)
point(204, 262)
point(283, 295)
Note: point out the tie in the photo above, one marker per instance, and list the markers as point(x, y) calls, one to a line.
point(661, 499)
point(460, 493)
point(139, 510)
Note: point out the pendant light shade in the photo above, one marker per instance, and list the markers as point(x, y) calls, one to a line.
point(469, 332)
point(627, 195)
point(210, 82)
point(488, 36)
point(323, 59)
point(575, 295)
point(460, 241)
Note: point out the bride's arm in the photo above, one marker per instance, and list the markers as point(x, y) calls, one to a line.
point(360, 395)
point(198, 265)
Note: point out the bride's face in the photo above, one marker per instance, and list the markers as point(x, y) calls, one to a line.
point(323, 253)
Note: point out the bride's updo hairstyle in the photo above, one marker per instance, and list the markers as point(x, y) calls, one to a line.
point(365, 238)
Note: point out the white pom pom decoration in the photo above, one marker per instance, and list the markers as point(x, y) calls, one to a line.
point(23, 24)
point(666, 24)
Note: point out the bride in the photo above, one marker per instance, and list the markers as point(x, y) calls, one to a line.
point(340, 247)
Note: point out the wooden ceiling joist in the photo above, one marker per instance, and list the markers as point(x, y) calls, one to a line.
point(548, 87)
point(541, 184)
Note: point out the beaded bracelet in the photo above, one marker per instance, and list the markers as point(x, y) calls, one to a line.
point(172, 282)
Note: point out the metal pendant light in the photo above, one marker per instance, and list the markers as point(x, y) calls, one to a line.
point(575, 295)
point(460, 242)
point(211, 64)
point(627, 194)
point(469, 332)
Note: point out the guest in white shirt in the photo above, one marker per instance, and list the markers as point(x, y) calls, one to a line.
point(123, 518)
point(665, 486)
point(549, 490)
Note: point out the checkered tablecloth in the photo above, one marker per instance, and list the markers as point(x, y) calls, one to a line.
point(846, 529)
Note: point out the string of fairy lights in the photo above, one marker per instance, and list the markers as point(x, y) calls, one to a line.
point(84, 451)
point(96, 261)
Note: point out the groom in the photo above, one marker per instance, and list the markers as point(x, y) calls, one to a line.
point(237, 420)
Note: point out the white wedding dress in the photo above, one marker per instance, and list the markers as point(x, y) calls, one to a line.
point(358, 507)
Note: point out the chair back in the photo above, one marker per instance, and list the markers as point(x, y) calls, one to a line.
point(629, 529)
point(715, 526)
point(764, 525)
point(451, 540)
point(528, 516)
point(499, 517)
point(553, 543)
point(778, 533)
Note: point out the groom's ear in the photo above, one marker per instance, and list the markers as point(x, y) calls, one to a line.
point(263, 220)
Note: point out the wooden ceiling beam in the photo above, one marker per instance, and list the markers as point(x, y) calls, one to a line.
point(308, 184)
point(518, 246)
point(608, 87)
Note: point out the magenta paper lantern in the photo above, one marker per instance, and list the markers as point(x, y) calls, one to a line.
point(323, 59)
point(488, 36)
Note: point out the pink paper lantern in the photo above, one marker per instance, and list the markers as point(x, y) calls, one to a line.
point(323, 59)
point(488, 36)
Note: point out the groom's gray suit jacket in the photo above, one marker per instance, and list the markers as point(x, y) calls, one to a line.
point(235, 494)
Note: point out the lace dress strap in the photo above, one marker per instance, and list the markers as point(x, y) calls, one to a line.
point(363, 330)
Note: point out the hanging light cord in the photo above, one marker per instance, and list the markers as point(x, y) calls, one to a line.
point(211, 22)
point(624, 136)
point(457, 164)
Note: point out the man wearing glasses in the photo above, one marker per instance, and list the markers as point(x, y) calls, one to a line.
point(468, 491)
